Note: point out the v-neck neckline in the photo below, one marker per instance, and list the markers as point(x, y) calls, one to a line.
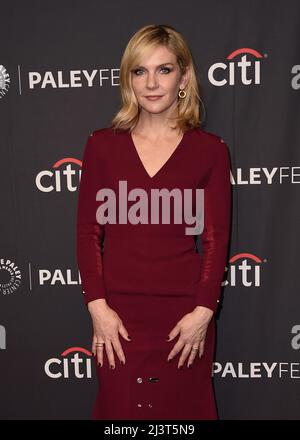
point(164, 165)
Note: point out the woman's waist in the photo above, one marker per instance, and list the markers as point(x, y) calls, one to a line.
point(176, 231)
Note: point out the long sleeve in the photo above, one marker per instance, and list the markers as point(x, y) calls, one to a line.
point(215, 235)
point(89, 231)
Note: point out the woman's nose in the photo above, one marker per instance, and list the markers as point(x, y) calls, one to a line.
point(151, 80)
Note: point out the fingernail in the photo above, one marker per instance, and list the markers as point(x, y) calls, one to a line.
point(168, 338)
point(111, 366)
point(180, 367)
point(169, 360)
point(122, 362)
point(190, 366)
point(128, 337)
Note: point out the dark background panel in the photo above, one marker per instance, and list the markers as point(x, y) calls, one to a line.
point(257, 355)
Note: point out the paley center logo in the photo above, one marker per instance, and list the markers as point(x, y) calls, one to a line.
point(73, 362)
point(64, 176)
point(244, 269)
point(243, 66)
point(4, 81)
point(10, 276)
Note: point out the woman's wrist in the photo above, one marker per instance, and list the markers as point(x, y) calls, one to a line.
point(202, 310)
point(99, 303)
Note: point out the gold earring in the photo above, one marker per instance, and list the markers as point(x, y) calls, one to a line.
point(182, 93)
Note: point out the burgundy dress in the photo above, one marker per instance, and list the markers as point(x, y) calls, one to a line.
point(151, 273)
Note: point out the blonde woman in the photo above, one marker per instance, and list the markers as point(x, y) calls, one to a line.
point(143, 180)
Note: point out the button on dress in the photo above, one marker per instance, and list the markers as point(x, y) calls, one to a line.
point(152, 273)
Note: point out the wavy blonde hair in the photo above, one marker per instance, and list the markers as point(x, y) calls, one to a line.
point(149, 37)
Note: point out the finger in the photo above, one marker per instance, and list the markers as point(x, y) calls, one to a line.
point(184, 355)
point(100, 351)
point(201, 348)
point(193, 353)
point(176, 349)
point(99, 347)
point(94, 350)
point(124, 332)
point(110, 354)
point(173, 333)
point(118, 349)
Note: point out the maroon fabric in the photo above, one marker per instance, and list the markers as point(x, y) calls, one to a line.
point(152, 275)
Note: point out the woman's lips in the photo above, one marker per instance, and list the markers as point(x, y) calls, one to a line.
point(153, 98)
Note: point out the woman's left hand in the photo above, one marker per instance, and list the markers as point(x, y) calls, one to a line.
point(192, 329)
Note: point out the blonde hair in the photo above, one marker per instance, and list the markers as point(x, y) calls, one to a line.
point(148, 37)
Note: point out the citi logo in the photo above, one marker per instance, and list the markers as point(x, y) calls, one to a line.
point(62, 177)
point(245, 270)
point(246, 70)
point(73, 362)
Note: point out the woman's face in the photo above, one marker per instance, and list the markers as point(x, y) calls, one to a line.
point(158, 76)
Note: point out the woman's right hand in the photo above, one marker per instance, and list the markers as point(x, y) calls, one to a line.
point(107, 324)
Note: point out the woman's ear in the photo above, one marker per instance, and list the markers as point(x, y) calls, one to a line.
point(185, 78)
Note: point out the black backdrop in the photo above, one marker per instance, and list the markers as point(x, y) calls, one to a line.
point(248, 60)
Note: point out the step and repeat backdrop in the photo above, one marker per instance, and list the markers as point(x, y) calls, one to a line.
point(59, 81)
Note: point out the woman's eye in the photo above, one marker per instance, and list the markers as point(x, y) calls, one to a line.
point(167, 69)
point(136, 71)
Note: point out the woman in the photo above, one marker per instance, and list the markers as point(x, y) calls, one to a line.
point(141, 273)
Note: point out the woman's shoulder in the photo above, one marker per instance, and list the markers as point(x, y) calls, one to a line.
point(212, 144)
point(105, 132)
point(102, 139)
point(208, 136)
point(100, 132)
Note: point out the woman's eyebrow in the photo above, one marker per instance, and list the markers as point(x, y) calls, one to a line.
point(160, 65)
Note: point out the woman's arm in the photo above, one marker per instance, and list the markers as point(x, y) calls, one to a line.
point(193, 326)
point(89, 231)
point(215, 235)
point(106, 322)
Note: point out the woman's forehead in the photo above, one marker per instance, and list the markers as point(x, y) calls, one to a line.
point(155, 56)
